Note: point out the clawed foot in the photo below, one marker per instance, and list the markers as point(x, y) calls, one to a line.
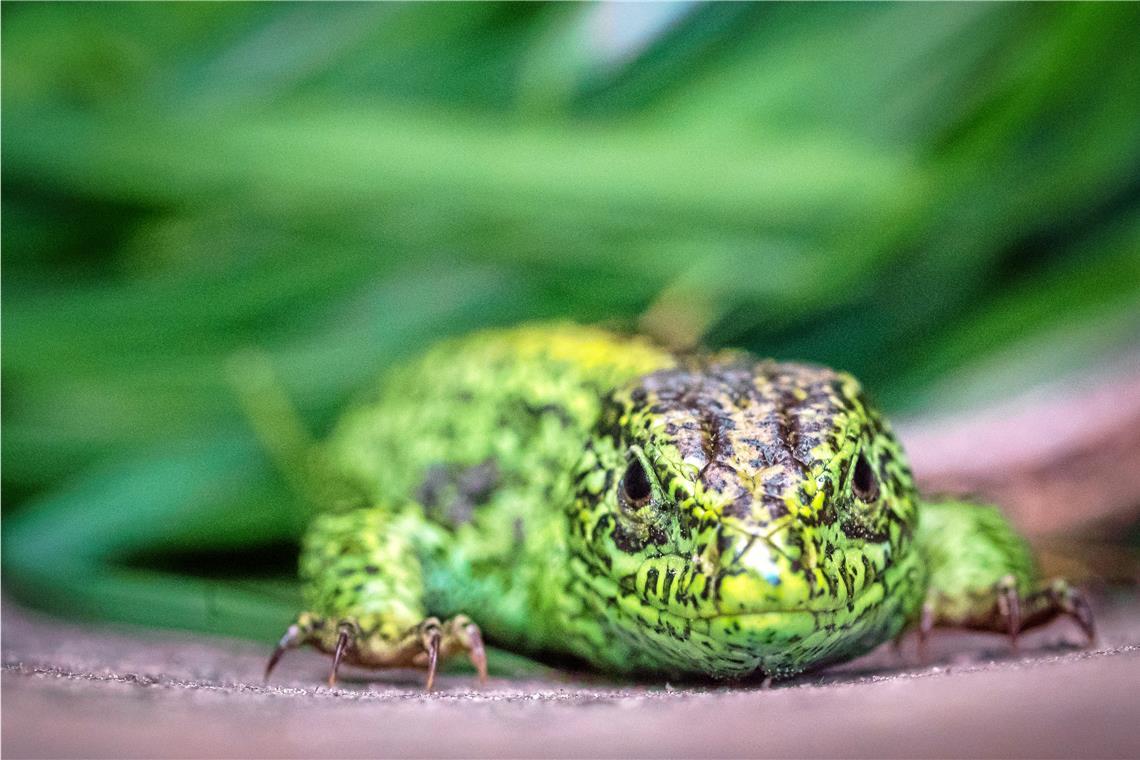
point(1009, 612)
point(1014, 613)
point(424, 645)
point(442, 641)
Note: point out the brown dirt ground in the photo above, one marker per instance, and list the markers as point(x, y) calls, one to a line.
point(71, 691)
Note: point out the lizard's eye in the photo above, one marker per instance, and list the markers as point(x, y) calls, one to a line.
point(863, 481)
point(635, 483)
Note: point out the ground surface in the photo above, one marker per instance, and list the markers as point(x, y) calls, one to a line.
point(70, 690)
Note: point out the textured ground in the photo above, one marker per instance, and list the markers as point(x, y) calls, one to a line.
point(96, 692)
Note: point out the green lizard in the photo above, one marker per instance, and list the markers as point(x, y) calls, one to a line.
point(566, 489)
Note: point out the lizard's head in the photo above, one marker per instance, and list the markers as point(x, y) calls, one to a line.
point(739, 515)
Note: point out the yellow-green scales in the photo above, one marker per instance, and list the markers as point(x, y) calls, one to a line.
point(573, 490)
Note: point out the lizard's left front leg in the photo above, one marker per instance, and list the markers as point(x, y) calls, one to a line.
point(364, 593)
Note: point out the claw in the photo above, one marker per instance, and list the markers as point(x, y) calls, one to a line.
point(477, 652)
point(341, 644)
point(1009, 605)
point(291, 640)
point(433, 640)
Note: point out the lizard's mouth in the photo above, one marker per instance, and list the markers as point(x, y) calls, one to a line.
point(749, 599)
point(760, 582)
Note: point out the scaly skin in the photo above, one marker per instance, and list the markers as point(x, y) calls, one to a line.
point(571, 490)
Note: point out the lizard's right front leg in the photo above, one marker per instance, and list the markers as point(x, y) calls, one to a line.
point(363, 588)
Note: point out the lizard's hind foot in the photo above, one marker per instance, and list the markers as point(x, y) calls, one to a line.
point(1005, 609)
point(422, 646)
point(983, 576)
point(1013, 612)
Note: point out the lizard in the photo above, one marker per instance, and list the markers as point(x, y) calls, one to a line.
point(569, 489)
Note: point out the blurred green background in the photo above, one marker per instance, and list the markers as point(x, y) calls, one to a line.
point(943, 199)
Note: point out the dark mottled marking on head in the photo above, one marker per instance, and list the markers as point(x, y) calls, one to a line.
point(626, 541)
point(855, 527)
point(718, 476)
point(741, 505)
point(777, 508)
point(827, 486)
point(829, 513)
point(749, 428)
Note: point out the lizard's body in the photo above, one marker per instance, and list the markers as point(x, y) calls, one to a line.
point(572, 490)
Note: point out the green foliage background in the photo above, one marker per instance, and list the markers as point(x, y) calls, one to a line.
point(942, 199)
